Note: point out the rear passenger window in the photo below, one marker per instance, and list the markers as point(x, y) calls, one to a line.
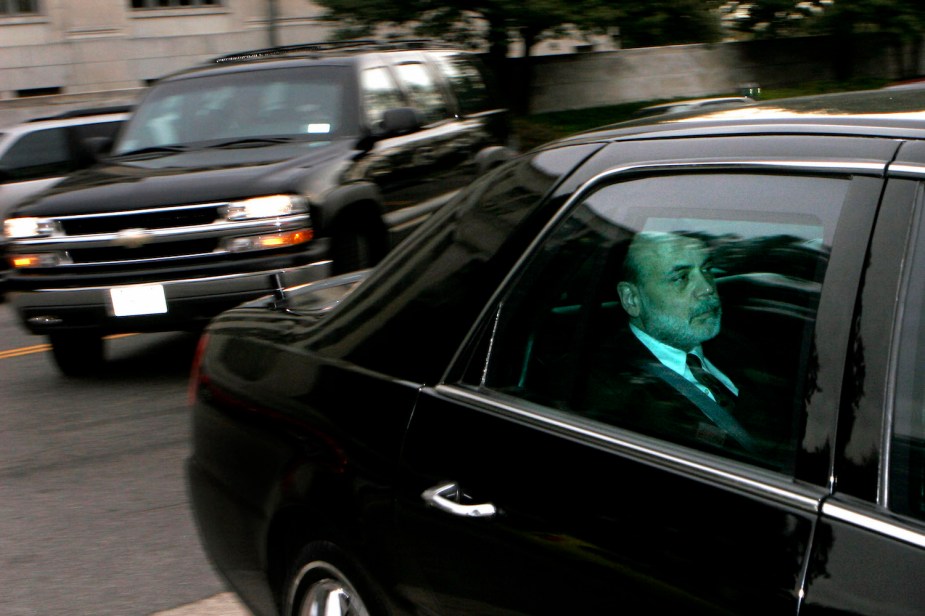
point(423, 91)
point(467, 81)
point(906, 476)
point(379, 94)
point(681, 308)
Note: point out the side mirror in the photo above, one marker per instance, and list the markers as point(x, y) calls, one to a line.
point(96, 147)
point(401, 120)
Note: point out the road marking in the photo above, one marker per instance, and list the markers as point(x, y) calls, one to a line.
point(42, 348)
point(38, 348)
point(224, 604)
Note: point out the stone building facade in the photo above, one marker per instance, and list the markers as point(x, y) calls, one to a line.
point(61, 54)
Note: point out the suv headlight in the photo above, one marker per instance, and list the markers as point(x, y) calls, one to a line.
point(271, 206)
point(16, 228)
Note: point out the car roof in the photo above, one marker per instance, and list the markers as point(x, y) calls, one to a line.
point(886, 113)
point(692, 103)
point(325, 52)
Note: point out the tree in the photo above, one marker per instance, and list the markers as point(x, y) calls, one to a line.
point(495, 23)
point(669, 22)
point(902, 22)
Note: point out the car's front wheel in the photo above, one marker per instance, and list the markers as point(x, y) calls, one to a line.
point(78, 353)
point(352, 250)
point(327, 582)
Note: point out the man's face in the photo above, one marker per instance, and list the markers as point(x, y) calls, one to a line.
point(674, 299)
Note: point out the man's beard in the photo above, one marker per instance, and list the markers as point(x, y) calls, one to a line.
point(680, 333)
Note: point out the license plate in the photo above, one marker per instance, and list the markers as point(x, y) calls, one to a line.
point(138, 299)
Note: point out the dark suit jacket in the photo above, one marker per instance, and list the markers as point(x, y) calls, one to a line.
point(625, 386)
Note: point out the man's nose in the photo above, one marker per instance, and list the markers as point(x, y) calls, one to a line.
point(704, 285)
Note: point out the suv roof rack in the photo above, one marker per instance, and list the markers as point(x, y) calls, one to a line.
point(80, 113)
point(324, 46)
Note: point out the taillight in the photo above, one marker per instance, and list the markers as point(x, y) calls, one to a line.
point(196, 368)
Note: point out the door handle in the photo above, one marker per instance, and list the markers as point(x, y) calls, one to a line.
point(446, 497)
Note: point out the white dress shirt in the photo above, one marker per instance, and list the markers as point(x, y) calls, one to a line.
point(676, 360)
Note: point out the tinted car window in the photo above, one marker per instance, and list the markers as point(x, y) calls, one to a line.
point(906, 486)
point(43, 153)
point(311, 103)
point(561, 337)
point(379, 93)
point(423, 91)
point(467, 80)
point(96, 129)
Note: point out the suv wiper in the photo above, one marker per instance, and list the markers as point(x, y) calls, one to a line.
point(251, 142)
point(155, 149)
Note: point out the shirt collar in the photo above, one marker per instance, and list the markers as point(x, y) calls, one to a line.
point(671, 357)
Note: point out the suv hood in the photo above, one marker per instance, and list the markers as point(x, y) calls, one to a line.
point(192, 176)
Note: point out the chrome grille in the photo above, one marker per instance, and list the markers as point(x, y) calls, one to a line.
point(165, 218)
point(165, 250)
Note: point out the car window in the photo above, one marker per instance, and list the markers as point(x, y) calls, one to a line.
point(96, 129)
point(467, 81)
point(423, 91)
point(380, 93)
point(906, 476)
point(311, 102)
point(43, 153)
point(729, 267)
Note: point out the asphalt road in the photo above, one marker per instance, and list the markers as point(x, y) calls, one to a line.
point(94, 516)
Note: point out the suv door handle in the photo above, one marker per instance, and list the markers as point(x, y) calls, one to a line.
point(446, 497)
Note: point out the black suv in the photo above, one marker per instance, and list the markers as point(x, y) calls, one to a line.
point(260, 170)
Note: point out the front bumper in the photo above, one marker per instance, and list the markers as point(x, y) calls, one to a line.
point(190, 302)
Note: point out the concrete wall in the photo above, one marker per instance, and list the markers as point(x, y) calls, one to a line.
point(583, 80)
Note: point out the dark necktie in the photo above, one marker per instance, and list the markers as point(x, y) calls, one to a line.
point(721, 393)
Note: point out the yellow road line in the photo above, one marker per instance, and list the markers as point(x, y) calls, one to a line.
point(39, 348)
point(42, 348)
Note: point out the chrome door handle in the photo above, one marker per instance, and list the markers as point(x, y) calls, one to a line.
point(446, 497)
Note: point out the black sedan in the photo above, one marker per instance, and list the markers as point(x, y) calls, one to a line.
point(664, 367)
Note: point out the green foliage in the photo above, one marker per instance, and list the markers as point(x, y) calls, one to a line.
point(669, 22)
point(496, 23)
point(774, 18)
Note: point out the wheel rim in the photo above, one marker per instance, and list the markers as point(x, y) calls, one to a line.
point(330, 595)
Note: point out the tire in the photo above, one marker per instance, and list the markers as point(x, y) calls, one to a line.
point(325, 581)
point(352, 250)
point(78, 353)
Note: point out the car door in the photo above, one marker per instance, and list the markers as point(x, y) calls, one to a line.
point(522, 493)
point(869, 548)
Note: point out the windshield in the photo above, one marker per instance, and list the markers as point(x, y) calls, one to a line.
point(311, 103)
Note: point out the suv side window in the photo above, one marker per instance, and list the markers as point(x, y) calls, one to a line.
point(729, 266)
point(380, 93)
point(423, 91)
point(906, 471)
point(466, 80)
point(44, 153)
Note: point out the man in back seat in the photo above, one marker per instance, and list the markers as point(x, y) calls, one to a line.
point(655, 378)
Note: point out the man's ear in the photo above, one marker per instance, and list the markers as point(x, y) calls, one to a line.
point(629, 298)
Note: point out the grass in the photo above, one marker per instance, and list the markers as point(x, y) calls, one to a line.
point(536, 129)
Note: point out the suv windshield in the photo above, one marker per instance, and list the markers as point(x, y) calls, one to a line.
point(305, 102)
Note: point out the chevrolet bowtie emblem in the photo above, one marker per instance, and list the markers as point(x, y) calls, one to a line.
point(132, 238)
